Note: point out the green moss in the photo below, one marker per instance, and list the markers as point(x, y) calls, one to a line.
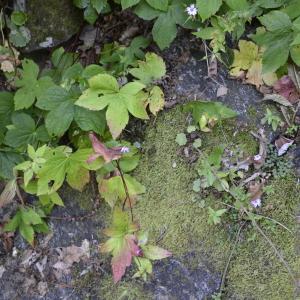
point(167, 207)
point(125, 290)
point(256, 272)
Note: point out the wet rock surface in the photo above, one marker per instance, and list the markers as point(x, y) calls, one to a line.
point(50, 22)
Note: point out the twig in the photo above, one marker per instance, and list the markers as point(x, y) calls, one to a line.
point(126, 190)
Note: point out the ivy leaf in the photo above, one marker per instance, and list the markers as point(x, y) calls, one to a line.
point(24, 131)
point(112, 189)
point(90, 14)
point(119, 102)
point(153, 68)
point(122, 243)
point(208, 8)
point(31, 87)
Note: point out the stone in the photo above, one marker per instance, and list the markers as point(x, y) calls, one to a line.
point(50, 22)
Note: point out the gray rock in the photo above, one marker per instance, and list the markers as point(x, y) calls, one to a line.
point(50, 22)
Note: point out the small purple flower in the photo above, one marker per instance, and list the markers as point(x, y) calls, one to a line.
point(256, 202)
point(125, 149)
point(192, 10)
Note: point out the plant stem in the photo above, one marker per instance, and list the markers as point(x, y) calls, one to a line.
point(126, 190)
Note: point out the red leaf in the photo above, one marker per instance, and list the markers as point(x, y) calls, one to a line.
point(100, 149)
point(286, 88)
point(123, 258)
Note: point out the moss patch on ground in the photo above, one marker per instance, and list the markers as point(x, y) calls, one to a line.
point(170, 213)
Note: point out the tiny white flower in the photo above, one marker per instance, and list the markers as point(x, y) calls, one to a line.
point(125, 149)
point(192, 10)
point(256, 202)
point(257, 157)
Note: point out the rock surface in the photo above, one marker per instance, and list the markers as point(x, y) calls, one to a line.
point(50, 22)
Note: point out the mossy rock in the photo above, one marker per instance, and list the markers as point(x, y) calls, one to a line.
point(55, 20)
point(170, 211)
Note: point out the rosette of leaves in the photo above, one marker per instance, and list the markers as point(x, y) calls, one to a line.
point(280, 36)
point(126, 242)
point(92, 8)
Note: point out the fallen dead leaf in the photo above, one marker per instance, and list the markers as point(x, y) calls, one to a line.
point(9, 192)
point(282, 145)
point(213, 67)
point(222, 91)
point(286, 88)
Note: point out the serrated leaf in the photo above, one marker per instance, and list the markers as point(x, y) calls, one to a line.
point(146, 12)
point(164, 30)
point(30, 217)
point(14, 223)
point(24, 132)
point(156, 100)
point(20, 36)
point(8, 160)
point(118, 101)
point(153, 68)
point(31, 88)
point(122, 243)
point(27, 233)
point(113, 189)
point(208, 8)
point(276, 20)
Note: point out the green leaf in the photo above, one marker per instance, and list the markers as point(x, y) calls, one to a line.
point(146, 12)
point(89, 120)
point(24, 132)
point(92, 70)
point(19, 18)
point(118, 102)
point(128, 3)
point(60, 102)
point(237, 5)
point(14, 223)
point(27, 232)
point(81, 3)
point(6, 109)
point(90, 14)
point(295, 54)
point(153, 68)
point(156, 100)
point(214, 110)
point(197, 186)
point(54, 198)
point(164, 30)
point(113, 189)
point(275, 56)
point(197, 143)
point(8, 160)
point(31, 87)
point(30, 217)
point(208, 8)
point(158, 4)
point(99, 5)
point(19, 36)
point(276, 20)
point(181, 139)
